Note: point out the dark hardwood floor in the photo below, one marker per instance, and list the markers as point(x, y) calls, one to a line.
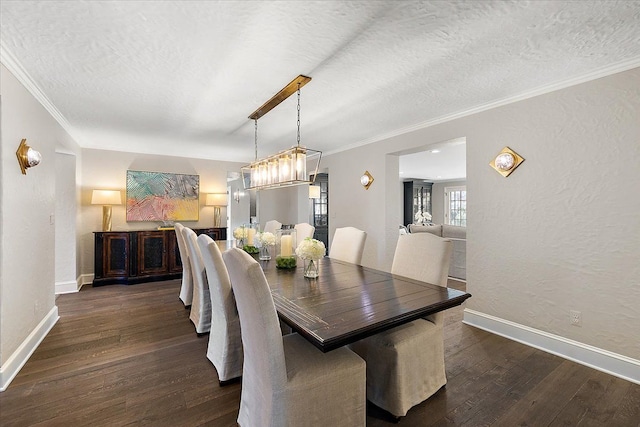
point(128, 355)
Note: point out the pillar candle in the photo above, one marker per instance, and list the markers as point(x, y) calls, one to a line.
point(251, 232)
point(286, 246)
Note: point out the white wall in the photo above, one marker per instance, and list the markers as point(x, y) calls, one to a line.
point(288, 205)
point(27, 238)
point(107, 170)
point(561, 233)
point(65, 223)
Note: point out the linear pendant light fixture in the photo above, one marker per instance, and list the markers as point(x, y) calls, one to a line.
point(288, 167)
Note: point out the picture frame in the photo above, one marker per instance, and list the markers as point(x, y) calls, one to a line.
point(161, 196)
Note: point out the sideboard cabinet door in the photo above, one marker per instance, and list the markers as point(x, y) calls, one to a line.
point(152, 253)
point(112, 255)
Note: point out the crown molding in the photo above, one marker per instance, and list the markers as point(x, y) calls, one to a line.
point(573, 81)
point(15, 67)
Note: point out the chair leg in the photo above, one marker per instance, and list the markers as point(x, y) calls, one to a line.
point(231, 381)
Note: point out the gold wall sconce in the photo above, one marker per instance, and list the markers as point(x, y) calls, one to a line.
point(217, 200)
point(366, 180)
point(106, 198)
point(506, 161)
point(27, 156)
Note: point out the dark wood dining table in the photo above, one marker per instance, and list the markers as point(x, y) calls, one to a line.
point(348, 302)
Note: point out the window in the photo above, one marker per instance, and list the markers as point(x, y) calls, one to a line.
point(455, 205)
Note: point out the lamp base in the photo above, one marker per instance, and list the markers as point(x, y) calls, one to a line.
point(106, 218)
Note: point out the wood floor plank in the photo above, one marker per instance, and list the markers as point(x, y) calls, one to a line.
point(129, 356)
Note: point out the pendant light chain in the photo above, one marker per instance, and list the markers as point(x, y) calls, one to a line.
point(298, 113)
point(256, 138)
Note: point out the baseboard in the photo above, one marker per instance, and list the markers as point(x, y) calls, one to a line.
point(612, 363)
point(67, 287)
point(85, 279)
point(16, 361)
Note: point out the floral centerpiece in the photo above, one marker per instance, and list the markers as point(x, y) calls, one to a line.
point(267, 240)
point(240, 234)
point(422, 217)
point(311, 250)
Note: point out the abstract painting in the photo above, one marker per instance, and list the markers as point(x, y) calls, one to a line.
point(159, 196)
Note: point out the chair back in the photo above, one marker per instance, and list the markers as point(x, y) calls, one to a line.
point(348, 245)
point(225, 342)
point(272, 226)
point(201, 304)
point(223, 303)
point(186, 289)
point(424, 257)
point(304, 230)
point(264, 359)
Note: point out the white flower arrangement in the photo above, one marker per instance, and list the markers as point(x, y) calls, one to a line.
point(311, 249)
point(422, 217)
point(240, 233)
point(266, 238)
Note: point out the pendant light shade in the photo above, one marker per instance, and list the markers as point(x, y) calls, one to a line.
point(288, 167)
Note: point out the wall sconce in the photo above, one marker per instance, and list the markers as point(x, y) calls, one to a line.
point(106, 198)
point(366, 180)
point(314, 191)
point(237, 194)
point(506, 161)
point(27, 156)
point(217, 200)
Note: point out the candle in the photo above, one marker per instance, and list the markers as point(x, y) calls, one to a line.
point(251, 232)
point(286, 246)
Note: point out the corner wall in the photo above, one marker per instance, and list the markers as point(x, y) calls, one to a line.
point(561, 233)
point(27, 237)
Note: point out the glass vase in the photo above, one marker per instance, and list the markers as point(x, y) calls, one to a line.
point(286, 244)
point(311, 268)
point(264, 253)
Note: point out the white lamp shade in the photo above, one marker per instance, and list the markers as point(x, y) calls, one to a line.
point(216, 199)
point(106, 197)
point(314, 191)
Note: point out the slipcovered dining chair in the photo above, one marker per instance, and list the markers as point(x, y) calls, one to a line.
point(186, 288)
point(348, 245)
point(286, 381)
point(405, 365)
point(272, 226)
point(225, 342)
point(201, 304)
point(304, 230)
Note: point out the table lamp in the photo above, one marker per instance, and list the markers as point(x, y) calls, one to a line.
point(217, 200)
point(106, 198)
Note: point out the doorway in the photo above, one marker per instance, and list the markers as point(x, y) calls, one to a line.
point(320, 209)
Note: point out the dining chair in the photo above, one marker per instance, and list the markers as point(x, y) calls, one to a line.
point(201, 304)
point(225, 342)
point(304, 230)
point(186, 288)
point(286, 381)
point(405, 365)
point(271, 226)
point(348, 245)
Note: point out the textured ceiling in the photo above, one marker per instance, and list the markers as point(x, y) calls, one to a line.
point(181, 77)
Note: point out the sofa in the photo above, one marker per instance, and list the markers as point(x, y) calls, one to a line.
point(458, 235)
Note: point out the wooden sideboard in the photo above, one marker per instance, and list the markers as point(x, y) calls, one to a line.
point(128, 257)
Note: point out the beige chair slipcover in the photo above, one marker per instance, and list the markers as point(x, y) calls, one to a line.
point(201, 304)
point(348, 245)
point(225, 342)
point(405, 365)
point(304, 230)
point(186, 289)
point(272, 226)
point(286, 381)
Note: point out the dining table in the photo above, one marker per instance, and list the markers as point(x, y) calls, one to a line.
point(349, 302)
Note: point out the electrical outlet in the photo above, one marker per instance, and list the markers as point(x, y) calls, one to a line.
point(576, 317)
